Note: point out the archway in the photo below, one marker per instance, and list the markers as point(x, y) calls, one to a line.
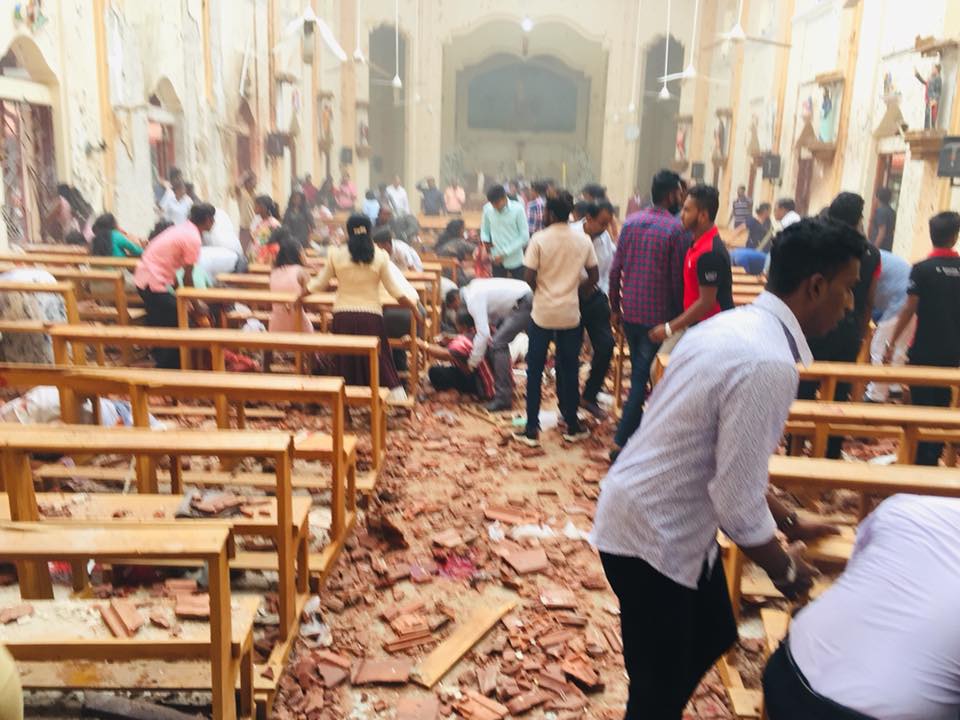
point(27, 135)
point(658, 118)
point(387, 113)
point(165, 131)
point(527, 104)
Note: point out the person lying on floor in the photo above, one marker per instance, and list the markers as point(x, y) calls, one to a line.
point(455, 373)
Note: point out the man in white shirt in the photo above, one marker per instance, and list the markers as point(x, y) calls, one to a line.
point(397, 319)
point(786, 213)
point(883, 641)
point(698, 463)
point(553, 261)
point(176, 202)
point(403, 256)
point(594, 304)
point(398, 198)
point(503, 303)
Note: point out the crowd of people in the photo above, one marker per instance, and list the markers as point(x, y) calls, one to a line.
point(563, 270)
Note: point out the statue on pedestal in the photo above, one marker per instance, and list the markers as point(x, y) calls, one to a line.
point(934, 88)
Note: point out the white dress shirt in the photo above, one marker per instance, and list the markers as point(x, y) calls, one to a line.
point(884, 639)
point(789, 219)
point(399, 200)
point(603, 244)
point(405, 257)
point(699, 460)
point(173, 210)
point(489, 301)
point(223, 234)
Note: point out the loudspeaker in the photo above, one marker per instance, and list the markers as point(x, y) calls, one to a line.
point(697, 171)
point(346, 156)
point(771, 167)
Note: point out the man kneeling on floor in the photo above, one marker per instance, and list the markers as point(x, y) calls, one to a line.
point(457, 373)
point(687, 471)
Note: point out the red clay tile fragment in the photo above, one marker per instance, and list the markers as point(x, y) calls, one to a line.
point(387, 672)
point(418, 708)
point(558, 599)
point(527, 701)
point(528, 561)
point(193, 607)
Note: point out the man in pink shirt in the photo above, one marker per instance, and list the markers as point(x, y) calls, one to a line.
point(176, 247)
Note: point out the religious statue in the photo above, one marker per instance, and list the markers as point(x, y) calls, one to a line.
point(826, 117)
point(326, 125)
point(681, 153)
point(720, 139)
point(934, 88)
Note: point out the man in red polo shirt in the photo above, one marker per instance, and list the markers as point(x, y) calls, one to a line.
point(707, 277)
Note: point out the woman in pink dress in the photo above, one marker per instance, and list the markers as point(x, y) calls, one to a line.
point(288, 275)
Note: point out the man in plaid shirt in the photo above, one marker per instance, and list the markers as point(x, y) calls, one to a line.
point(646, 287)
point(535, 207)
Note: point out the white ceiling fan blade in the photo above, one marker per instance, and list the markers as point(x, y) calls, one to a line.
point(327, 34)
point(293, 26)
point(765, 41)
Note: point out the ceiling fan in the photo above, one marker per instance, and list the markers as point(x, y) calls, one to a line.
point(737, 34)
point(690, 72)
point(664, 93)
point(305, 23)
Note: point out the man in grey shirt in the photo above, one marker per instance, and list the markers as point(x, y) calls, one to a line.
point(688, 471)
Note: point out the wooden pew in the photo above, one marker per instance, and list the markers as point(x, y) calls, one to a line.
point(51, 651)
point(65, 290)
point(323, 302)
point(220, 387)
point(92, 261)
point(216, 341)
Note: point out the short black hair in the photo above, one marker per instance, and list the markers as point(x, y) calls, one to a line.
point(707, 198)
point(451, 296)
point(594, 190)
point(599, 207)
point(201, 212)
point(664, 183)
point(559, 209)
point(944, 227)
point(496, 193)
point(159, 228)
point(465, 319)
point(763, 207)
point(847, 207)
point(382, 235)
point(370, 195)
point(811, 247)
point(539, 187)
point(884, 195)
point(786, 204)
point(289, 251)
point(581, 208)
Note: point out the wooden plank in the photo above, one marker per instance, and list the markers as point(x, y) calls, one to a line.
point(141, 441)
point(465, 636)
point(776, 623)
point(821, 474)
point(80, 541)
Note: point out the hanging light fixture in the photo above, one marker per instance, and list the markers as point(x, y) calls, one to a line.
point(397, 83)
point(736, 33)
point(690, 72)
point(357, 51)
point(526, 24)
point(664, 93)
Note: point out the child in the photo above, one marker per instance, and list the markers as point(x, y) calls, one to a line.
point(457, 375)
point(265, 221)
point(933, 295)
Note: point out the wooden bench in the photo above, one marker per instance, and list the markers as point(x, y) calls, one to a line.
point(93, 261)
point(51, 650)
point(216, 341)
point(322, 302)
point(218, 387)
point(65, 290)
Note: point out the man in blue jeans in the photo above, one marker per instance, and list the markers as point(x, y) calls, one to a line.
point(646, 288)
point(554, 261)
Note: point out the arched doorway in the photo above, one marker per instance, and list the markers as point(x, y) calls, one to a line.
point(164, 129)
point(28, 160)
point(387, 105)
point(658, 118)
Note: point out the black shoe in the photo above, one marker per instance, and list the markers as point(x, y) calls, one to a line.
point(594, 409)
point(523, 437)
point(498, 406)
point(577, 435)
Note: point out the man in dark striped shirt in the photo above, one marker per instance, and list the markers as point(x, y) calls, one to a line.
point(646, 287)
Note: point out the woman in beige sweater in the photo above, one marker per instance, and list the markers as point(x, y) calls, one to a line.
point(360, 269)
